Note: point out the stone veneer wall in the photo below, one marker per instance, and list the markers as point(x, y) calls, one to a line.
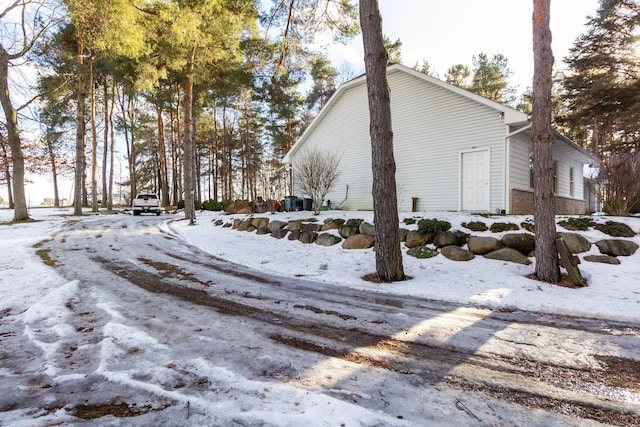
point(522, 204)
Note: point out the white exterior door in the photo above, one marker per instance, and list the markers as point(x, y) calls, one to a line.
point(475, 181)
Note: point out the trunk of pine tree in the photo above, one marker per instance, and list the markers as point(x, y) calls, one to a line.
point(105, 145)
point(547, 268)
point(112, 146)
point(189, 187)
point(80, 134)
point(54, 173)
point(94, 141)
point(162, 153)
point(385, 205)
point(7, 173)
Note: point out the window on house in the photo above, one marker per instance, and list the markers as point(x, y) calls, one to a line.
point(555, 176)
point(571, 181)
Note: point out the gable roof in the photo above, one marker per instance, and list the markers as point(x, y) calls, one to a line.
point(511, 116)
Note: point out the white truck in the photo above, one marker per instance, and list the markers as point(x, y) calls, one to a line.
point(146, 203)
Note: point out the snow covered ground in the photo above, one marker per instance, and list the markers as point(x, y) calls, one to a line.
point(35, 295)
point(613, 291)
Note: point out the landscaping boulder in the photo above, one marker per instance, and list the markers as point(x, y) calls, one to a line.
point(296, 225)
point(359, 241)
point(481, 245)
point(327, 239)
point(332, 224)
point(366, 228)
point(263, 230)
point(456, 253)
point(276, 225)
point(604, 259)
point(446, 238)
point(279, 233)
point(260, 222)
point(415, 239)
point(617, 247)
point(524, 243)
point(576, 242)
point(246, 225)
point(218, 222)
point(422, 252)
point(294, 235)
point(312, 227)
point(348, 231)
point(308, 236)
point(236, 223)
point(402, 232)
point(508, 254)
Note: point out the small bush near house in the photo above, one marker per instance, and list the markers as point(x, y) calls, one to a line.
point(475, 226)
point(499, 227)
point(196, 204)
point(432, 227)
point(212, 205)
point(615, 229)
point(409, 221)
point(577, 224)
point(529, 226)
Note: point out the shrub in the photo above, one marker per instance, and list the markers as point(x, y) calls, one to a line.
point(353, 222)
point(475, 226)
point(432, 227)
point(577, 224)
point(498, 227)
point(615, 229)
point(529, 226)
point(212, 205)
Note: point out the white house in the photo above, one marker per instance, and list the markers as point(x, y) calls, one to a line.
point(454, 150)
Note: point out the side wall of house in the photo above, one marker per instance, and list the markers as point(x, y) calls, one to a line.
point(570, 196)
point(432, 126)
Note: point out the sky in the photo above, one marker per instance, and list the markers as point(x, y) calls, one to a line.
point(450, 32)
point(139, 343)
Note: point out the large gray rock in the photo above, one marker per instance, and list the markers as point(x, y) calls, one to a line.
point(576, 242)
point(359, 241)
point(294, 235)
point(481, 245)
point(308, 236)
point(604, 259)
point(366, 228)
point(332, 224)
point(617, 247)
point(415, 239)
point(279, 233)
point(402, 232)
point(236, 223)
point(422, 252)
point(456, 253)
point(510, 255)
point(295, 225)
point(348, 231)
point(260, 222)
point(524, 243)
point(328, 239)
point(447, 238)
point(263, 230)
point(247, 225)
point(312, 227)
point(276, 225)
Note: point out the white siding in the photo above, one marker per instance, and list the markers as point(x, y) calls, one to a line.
point(520, 147)
point(431, 126)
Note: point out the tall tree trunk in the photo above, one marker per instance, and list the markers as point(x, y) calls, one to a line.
point(105, 145)
point(20, 212)
point(389, 266)
point(80, 133)
point(111, 150)
point(162, 152)
point(54, 173)
point(94, 142)
point(131, 113)
point(188, 149)
point(547, 268)
point(7, 174)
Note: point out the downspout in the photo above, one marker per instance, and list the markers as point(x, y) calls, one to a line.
point(507, 163)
